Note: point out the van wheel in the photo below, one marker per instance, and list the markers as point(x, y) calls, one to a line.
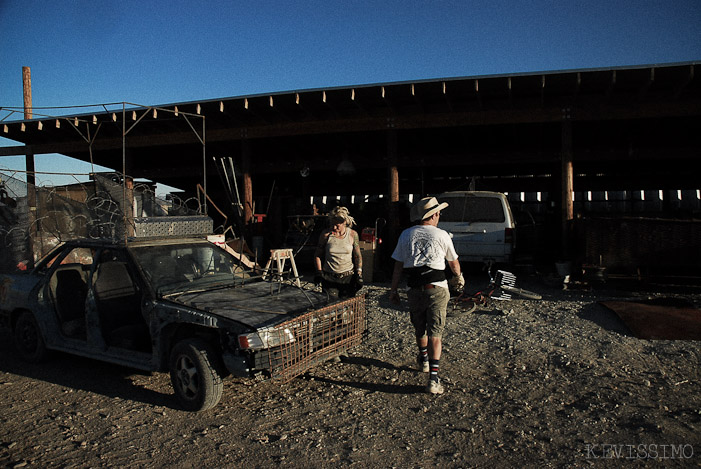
point(28, 340)
point(196, 382)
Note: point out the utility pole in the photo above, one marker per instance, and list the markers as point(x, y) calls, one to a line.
point(29, 166)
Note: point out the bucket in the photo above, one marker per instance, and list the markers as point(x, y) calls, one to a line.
point(257, 242)
point(563, 268)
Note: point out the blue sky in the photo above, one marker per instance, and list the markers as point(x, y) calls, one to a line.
point(160, 52)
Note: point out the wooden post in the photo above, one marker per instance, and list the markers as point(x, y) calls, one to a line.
point(393, 189)
point(247, 182)
point(129, 206)
point(27, 87)
point(567, 187)
point(29, 167)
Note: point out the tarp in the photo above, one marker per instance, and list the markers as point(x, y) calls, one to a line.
point(666, 319)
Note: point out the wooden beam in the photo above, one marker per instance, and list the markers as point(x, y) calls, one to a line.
point(15, 151)
point(329, 105)
point(253, 108)
point(418, 101)
point(508, 87)
point(642, 92)
point(178, 171)
point(542, 91)
point(684, 83)
point(577, 87)
point(642, 110)
point(385, 98)
point(477, 94)
point(611, 86)
point(277, 109)
point(444, 88)
point(298, 102)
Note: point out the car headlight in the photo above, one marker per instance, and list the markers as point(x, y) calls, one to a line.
point(266, 338)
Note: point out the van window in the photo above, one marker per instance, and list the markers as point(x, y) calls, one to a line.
point(473, 209)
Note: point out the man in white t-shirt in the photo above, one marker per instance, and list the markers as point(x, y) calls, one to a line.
point(421, 253)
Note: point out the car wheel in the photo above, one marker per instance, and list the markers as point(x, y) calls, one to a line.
point(197, 384)
point(28, 340)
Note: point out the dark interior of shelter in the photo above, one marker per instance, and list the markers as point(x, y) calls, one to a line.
point(600, 166)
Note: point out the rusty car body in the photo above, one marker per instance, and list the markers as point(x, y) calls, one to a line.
point(181, 305)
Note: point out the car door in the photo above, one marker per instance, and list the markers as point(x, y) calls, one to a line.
point(115, 306)
point(65, 293)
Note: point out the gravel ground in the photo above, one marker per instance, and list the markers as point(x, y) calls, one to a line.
point(533, 383)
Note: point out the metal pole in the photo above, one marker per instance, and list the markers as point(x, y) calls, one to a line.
point(204, 166)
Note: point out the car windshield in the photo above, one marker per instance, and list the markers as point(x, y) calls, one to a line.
point(188, 267)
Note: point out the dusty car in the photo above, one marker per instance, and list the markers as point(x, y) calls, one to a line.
point(481, 225)
point(181, 305)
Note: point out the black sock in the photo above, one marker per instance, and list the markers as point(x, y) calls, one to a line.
point(434, 365)
point(423, 351)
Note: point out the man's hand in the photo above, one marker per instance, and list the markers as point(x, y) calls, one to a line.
point(457, 282)
point(318, 277)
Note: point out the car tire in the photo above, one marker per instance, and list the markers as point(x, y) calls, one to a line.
point(28, 340)
point(197, 384)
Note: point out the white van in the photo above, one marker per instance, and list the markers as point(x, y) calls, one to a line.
point(481, 225)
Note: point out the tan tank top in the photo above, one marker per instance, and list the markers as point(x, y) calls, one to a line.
point(339, 254)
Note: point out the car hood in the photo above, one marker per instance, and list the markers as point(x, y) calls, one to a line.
point(255, 305)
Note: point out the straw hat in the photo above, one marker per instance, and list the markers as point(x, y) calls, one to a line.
point(426, 207)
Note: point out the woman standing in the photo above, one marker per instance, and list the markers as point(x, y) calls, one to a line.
point(339, 264)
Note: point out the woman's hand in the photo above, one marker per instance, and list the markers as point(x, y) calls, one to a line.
point(394, 297)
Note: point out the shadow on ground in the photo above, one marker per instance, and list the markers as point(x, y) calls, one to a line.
point(81, 374)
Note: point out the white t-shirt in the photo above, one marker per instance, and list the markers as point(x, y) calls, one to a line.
point(425, 245)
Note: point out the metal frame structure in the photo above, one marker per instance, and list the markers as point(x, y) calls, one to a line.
point(89, 136)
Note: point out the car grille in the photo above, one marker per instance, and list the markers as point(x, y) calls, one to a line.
point(319, 335)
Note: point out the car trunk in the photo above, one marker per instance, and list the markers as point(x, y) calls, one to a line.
point(476, 241)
